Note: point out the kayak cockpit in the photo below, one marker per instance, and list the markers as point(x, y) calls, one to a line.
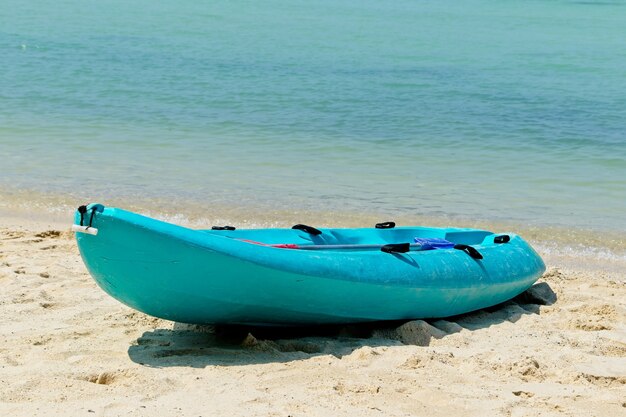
point(353, 236)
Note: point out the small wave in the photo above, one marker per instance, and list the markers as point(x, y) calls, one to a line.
point(581, 252)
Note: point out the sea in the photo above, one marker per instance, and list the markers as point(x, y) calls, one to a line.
point(495, 114)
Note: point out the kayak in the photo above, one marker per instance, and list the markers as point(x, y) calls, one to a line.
point(303, 275)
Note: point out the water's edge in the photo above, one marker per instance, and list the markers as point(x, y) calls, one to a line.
point(572, 247)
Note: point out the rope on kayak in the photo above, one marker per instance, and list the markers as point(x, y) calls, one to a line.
point(93, 211)
point(82, 210)
point(385, 225)
point(469, 250)
point(502, 239)
point(310, 230)
point(223, 228)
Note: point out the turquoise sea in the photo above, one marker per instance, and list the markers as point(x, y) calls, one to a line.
point(507, 112)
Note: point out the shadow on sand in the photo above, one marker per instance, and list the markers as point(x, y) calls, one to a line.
point(201, 346)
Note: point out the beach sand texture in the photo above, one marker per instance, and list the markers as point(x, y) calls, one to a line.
point(70, 349)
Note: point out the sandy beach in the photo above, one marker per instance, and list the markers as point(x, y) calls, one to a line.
point(70, 349)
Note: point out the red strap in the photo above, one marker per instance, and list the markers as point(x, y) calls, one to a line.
point(253, 242)
point(279, 245)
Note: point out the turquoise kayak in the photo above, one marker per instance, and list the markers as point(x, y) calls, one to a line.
point(300, 276)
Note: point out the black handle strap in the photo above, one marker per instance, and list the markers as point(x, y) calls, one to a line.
point(93, 211)
point(82, 210)
point(502, 239)
point(386, 225)
point(223, 228)
point(469, 250)
point(311, 230)
point(396, 248)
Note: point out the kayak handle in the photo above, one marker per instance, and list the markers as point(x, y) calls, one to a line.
point(84, 229)
point(501, 239)
point(223, 228)
point(386, 225)
point(310, 230)
point(469, 250)
point(396, 248)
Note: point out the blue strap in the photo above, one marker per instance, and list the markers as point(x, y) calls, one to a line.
point(433, 243)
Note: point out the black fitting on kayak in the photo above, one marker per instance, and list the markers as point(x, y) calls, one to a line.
point(311, 230)
point(386, 225)
point(223, 228)
point(502, 239)
point(82, 210)
point(396, 247)
point(469, 250)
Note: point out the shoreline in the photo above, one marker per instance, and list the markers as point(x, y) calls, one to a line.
point(576, 248)
point(69, 348)
point(196, 213)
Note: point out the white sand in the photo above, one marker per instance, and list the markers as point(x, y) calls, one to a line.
point(69, 349)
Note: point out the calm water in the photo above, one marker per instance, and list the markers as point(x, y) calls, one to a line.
point(489, 110)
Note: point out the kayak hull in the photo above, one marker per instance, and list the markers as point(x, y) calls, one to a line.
point(206, 277)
